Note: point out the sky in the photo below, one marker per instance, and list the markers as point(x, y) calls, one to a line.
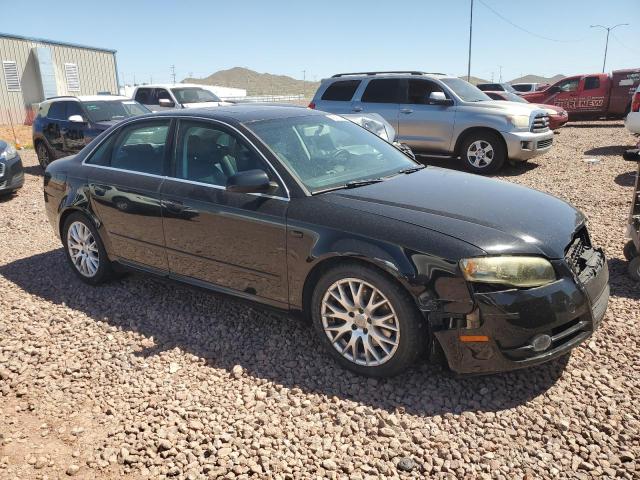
point(320, 38)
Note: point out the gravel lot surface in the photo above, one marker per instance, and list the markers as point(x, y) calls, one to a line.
point(142, 378)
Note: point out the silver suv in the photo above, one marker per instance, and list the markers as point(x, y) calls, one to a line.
point(439, 115)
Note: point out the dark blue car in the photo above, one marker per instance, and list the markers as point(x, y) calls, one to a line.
point(64, 125)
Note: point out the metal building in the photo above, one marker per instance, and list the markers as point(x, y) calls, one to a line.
point(34, 69)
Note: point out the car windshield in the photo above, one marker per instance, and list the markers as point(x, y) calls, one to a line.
point(194, 95)
point(107, 110)
point(466, 91)
point(327, 152)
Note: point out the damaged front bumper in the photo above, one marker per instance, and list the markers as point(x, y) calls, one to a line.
point(524, 327)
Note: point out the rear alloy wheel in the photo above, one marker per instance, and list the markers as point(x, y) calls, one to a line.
point(44, 156)
point(85, 251)
point(368, 323)
point(483, 153)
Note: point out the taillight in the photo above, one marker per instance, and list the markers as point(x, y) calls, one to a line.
point(312, 105)
point(635, 105)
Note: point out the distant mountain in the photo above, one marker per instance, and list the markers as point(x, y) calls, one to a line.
point(537, 79)
point(257, 83)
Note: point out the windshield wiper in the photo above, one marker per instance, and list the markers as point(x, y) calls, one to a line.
point(412, 169)
point(361, 183)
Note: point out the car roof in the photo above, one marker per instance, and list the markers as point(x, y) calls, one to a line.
point(172, 85)
point(87, 98)
point(372, 75)
point(240, 113)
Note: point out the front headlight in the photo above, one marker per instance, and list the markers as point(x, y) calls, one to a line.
point(514, 271)
point(519, 121)
point(9, 153)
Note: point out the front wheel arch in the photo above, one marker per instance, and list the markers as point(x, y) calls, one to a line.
point(474, 130)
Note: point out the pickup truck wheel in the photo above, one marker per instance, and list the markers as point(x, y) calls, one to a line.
point(483, 152)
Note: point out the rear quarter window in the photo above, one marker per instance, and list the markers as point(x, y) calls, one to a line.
point(341, 91)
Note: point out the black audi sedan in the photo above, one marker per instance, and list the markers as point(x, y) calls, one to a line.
point(312, 214)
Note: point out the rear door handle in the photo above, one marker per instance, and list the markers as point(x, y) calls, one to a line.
point(406, 110)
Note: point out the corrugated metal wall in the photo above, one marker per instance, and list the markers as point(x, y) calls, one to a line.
point(96, 68)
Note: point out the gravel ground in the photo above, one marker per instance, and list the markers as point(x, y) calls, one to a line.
point(142, 378)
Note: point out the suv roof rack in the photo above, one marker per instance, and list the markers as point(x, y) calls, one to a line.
point(406, 72)
point(60, 96)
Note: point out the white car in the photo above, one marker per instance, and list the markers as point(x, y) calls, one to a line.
point(632, 122)
point(180, 95)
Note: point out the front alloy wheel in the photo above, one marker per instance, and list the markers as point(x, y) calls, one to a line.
point(480, 154)
point(483, 152)
point(360, 322)
point(367, 321)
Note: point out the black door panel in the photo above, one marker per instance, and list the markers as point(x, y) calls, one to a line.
point(233, 240)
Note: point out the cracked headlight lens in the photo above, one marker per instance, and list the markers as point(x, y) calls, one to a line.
point(508, 270)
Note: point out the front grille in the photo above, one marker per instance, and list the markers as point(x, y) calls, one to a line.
point(545, 143)
point(540, 124)
point(2, 169)
point(574, 255)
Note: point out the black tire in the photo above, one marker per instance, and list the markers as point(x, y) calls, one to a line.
point(411, 325)
point(44, 154)
point(634, 269)
point(105, 270)
point(483, 167)
point(630, 251)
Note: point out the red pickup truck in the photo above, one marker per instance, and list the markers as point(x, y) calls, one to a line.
point(591, 96)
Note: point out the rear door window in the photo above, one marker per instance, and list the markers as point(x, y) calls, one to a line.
point(591, 83)
point(384, 90)
point(341, 91)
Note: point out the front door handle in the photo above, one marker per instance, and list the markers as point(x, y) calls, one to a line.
point(406, 110)
point(357, 109)
point(173, 205)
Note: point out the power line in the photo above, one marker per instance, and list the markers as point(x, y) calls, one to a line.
point(524, 29)
point(622, 44)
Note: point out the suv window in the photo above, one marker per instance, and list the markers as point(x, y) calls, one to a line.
point(138, 148)
point(384, 90)
point(591, 83)
point(143, 95)
point(341, 91)
point(57, 111)
point(419, 91)
point(208, 154)
point(74, 108)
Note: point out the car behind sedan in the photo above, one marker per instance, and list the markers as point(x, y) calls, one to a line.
point(309, 213)
point(557, 115)
point(11, 170)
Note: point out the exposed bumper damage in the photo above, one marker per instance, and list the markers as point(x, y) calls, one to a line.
point(521, 328)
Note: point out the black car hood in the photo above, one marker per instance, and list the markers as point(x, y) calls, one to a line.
point(495, 216)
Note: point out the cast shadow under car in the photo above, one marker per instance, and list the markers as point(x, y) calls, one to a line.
point(225, 332)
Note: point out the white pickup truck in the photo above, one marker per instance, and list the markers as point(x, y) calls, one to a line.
point(182, 95)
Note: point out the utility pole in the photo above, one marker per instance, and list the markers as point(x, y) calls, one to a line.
point(173, 74)
point(606, 45)
point(500, 67)
point(304, 80)
point(470, 35)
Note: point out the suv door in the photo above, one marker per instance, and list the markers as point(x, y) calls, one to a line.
point(125, 174)
point(382, 96)
point(73, 139)
point(236, 241)
point(423, 125)
point(53, 125)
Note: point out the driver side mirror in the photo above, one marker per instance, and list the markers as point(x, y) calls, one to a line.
point(76, 119)
point(250, 181)
point(165, 102)
point(439, 98)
